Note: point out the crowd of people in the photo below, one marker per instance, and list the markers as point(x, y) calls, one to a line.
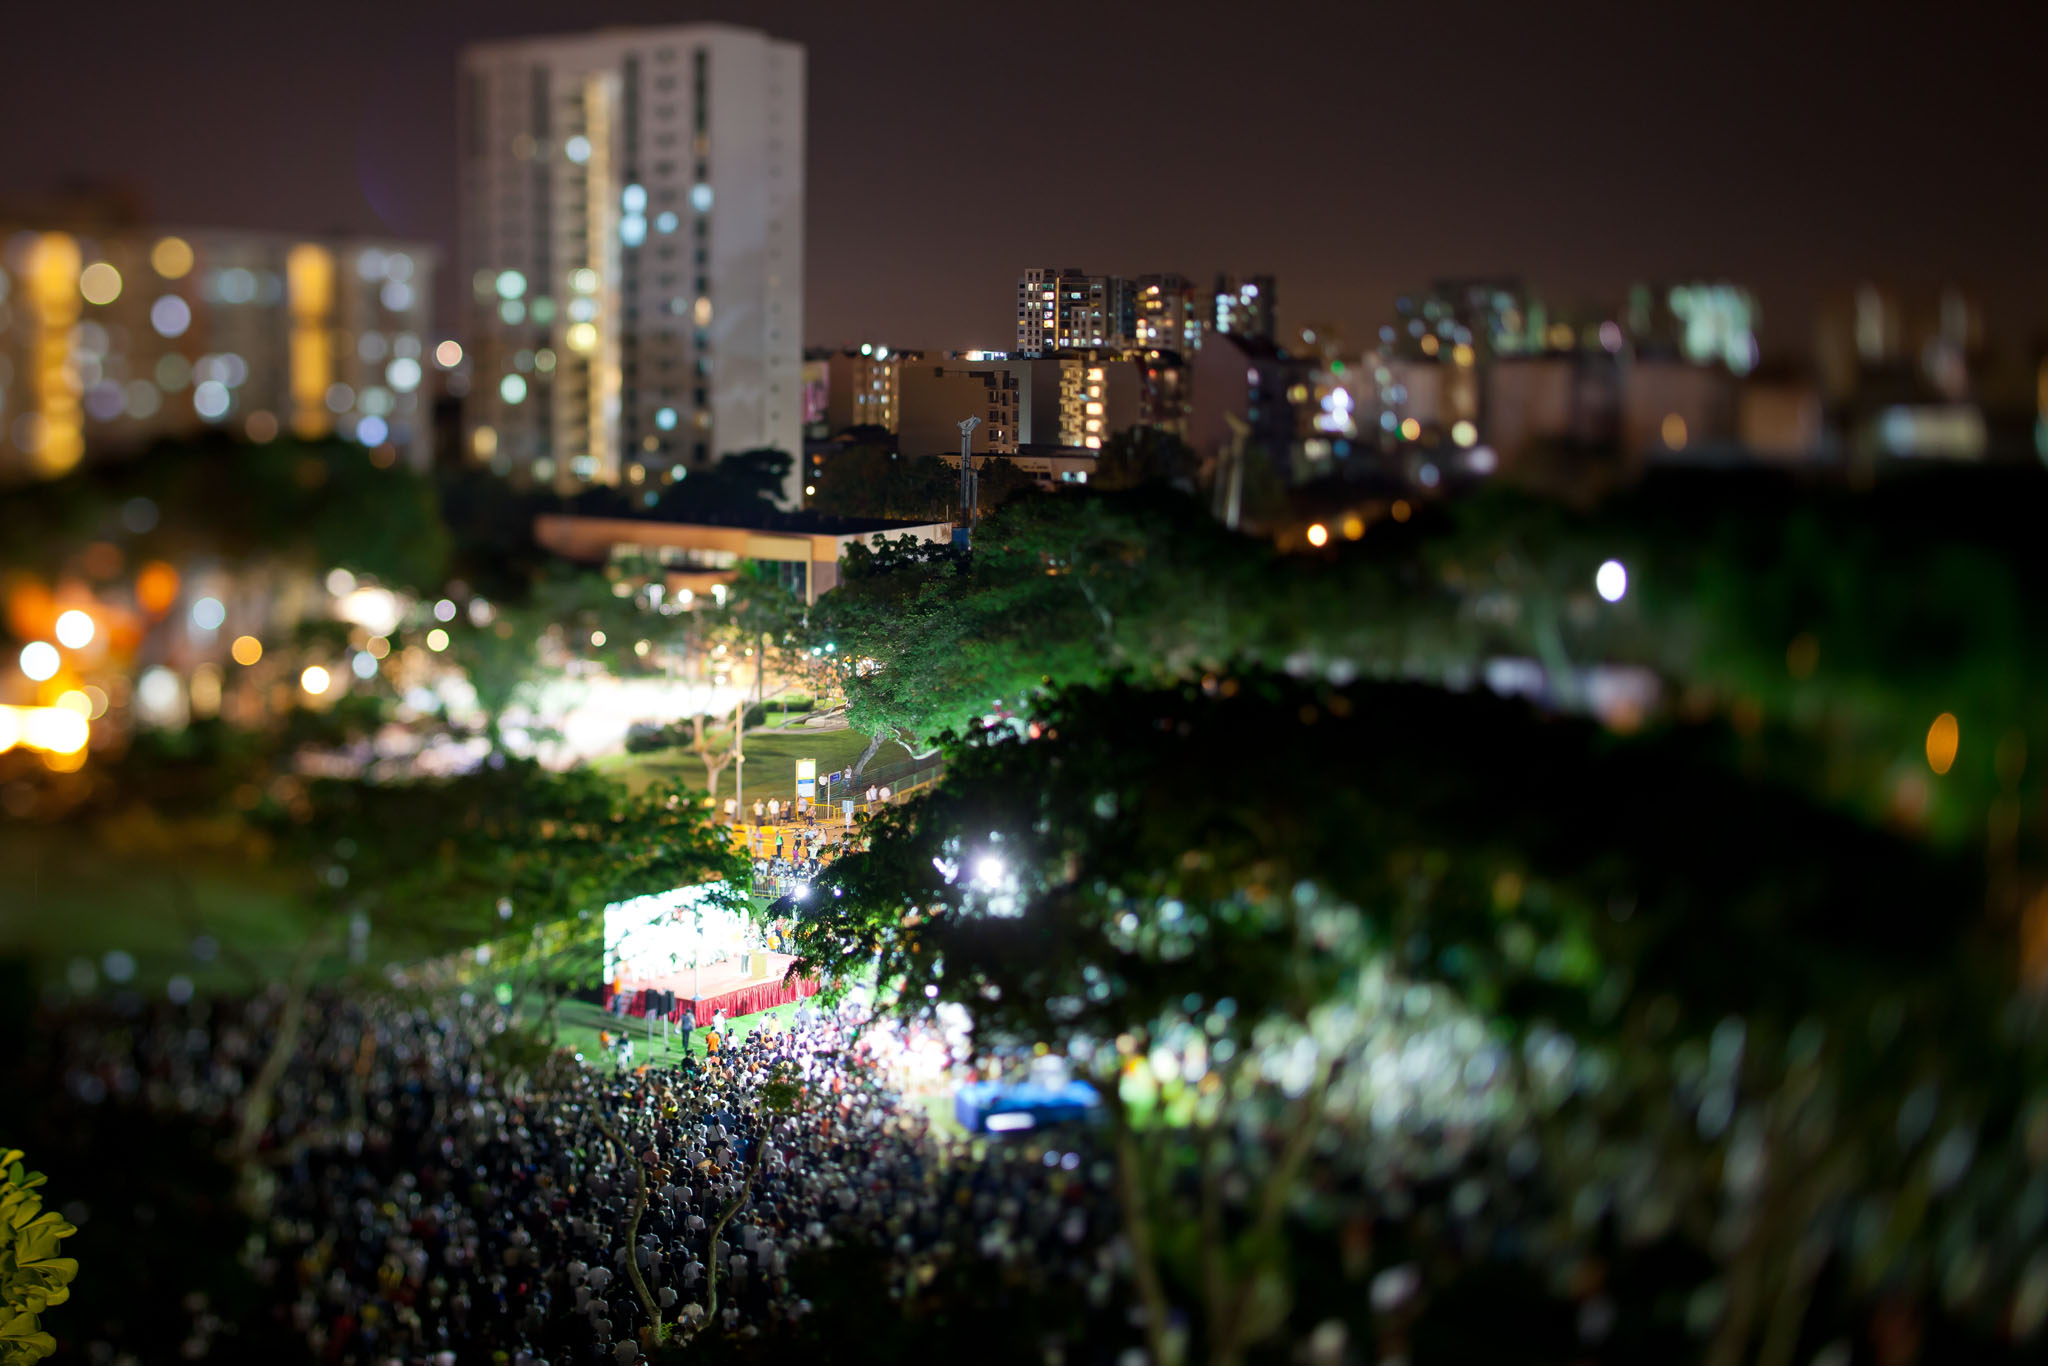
point(434, 1203)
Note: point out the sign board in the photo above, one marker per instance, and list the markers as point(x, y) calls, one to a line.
point(807, 777)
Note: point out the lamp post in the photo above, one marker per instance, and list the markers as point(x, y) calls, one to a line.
point(967, 498)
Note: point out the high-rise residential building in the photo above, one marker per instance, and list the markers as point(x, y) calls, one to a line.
point(1245, 308)
point(861, 386)
point(115, 336)
point(1064, 310)
point(633, 217)
point(1168, 317)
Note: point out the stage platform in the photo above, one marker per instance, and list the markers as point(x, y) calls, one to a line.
point(723, 986)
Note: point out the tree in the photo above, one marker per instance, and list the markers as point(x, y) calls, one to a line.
point(997, 481)
point(1833, 628)
point(1317, 947)
point(870, 478)
point(742, 486)
point(1138, 456)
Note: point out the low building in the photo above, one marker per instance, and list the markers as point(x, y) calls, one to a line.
point(1050, 467)
point(1669, 407)
point(696, 559)
point(1781, 418)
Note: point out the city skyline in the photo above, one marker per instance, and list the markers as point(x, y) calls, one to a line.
point(1582, 150)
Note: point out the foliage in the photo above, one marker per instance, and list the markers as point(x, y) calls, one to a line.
point(1138, 456)
point(957, 636)
point(999, 480)
point(871, 479)
point(1293, 928)
point(32, 1276)
point(1829, 626)
point(428, 862)
point(316, 505)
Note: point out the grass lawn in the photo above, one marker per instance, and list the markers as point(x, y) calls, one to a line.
point(770, 762)
point(581, 1022)
point(63, 901)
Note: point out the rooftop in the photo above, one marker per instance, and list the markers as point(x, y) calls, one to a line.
point(801, 523)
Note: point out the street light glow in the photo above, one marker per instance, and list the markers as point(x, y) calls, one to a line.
point(314, 680)
point(75, 630)
point(1612, 580)
point(39, 660)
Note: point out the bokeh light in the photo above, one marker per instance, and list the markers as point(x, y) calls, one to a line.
point(40, 660)
point(172, 258)
point(246, 650)
point(314, 680)
point(75, 630)
point(170, 316)
point(1944, 738)
point(1611, 580)
point(100, 283)
point(156, 587)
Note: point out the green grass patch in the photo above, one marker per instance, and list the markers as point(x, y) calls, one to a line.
point(770, 762)
point(581, 1021)
point(64, 899)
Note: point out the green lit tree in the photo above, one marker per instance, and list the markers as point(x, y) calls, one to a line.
point(1324, 950)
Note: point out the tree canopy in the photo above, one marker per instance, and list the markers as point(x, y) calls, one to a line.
point(1833, 628)
point(1321, 945)
point(320, 505)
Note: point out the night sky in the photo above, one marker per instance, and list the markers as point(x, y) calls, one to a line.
point(1353, 150)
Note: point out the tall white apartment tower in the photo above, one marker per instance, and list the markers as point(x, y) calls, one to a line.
point(633, 231)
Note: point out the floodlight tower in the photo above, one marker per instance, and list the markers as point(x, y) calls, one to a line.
point(967, 491)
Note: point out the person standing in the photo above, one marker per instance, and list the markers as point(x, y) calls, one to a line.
point(759, 809)
point(774, 810)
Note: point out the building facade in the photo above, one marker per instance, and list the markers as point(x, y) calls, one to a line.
point(1246, 308)
point(937, 396)
point(111, 339)
point(694, 561)
point(862, 386)
point(632, 229)
point(1167, 315)
point(1063, 310)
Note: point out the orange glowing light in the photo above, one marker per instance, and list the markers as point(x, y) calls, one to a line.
point(1943, 739)
point(156, 587)
point(1318, 534)
point(31, 608)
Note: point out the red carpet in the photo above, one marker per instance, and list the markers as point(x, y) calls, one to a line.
point(722, 986)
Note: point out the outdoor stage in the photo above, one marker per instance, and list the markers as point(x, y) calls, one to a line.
point(723, 986)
